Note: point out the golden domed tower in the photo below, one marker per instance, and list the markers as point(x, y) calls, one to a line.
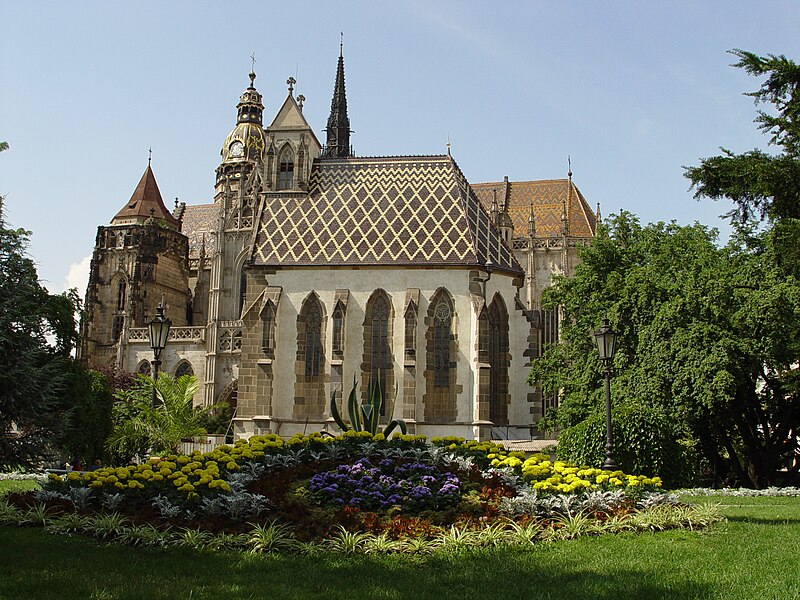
point(244, 146)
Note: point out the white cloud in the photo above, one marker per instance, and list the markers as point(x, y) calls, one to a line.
point(78, 276)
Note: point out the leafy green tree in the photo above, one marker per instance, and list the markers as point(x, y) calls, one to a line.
point(141, 428)
point(32, 369)
point(761, 185)
point(708, 336)
point(86, 414)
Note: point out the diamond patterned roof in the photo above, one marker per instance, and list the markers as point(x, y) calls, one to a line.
point(410, 211)
point(547, 196)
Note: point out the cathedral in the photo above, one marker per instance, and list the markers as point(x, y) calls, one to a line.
point(315, 269)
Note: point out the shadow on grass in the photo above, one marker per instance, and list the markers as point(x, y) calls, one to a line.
point(47, 566)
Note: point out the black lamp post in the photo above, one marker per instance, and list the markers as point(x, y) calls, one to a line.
point(159, 332)
point(606, 346)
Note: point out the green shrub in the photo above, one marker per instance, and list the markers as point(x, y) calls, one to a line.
point(645, 441)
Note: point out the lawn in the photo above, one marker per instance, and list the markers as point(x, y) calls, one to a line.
point(755, 554)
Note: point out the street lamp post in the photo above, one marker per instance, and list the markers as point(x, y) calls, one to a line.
point(606, 339)
point(158, 330)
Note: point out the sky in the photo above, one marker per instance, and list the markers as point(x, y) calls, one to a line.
point(631, 92)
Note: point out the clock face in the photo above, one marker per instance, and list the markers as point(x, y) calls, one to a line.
point(236, 148)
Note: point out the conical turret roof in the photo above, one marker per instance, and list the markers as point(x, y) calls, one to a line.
point(145, 202)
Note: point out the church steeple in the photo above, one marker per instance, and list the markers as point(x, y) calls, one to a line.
point(338, 130)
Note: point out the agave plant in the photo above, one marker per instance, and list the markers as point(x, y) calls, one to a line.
point(365, 417)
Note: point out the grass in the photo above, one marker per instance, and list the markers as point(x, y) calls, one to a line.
point(753, 555)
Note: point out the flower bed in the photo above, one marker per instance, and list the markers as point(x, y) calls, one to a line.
point(323, 488)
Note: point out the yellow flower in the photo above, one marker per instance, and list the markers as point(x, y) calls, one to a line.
point(54, 477)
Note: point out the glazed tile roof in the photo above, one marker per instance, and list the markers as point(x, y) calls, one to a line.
point(547, 197)
point(145, 202)
point(198, 222)
point(410, 211)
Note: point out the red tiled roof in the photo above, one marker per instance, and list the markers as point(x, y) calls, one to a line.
point(145, 201)
point(548, 197)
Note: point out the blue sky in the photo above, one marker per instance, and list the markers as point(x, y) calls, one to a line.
point(632, 91)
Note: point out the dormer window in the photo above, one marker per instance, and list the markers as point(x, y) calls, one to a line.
point(286, 170)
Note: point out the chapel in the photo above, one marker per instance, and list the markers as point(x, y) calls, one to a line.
point(315, 269)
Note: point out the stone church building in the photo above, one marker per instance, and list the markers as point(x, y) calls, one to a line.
point(314, 269)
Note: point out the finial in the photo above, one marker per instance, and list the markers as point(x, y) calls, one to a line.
point(531, 223)
point(599, 218)
point(448, 143)
point(569, 167)
point(290, 82)
point(300, 100)
point(176, 203)
point(149, 155)
point(341, 42)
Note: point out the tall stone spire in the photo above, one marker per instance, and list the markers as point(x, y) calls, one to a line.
point(338, 130)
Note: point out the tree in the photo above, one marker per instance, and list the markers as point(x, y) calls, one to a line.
point(86, 420)
point(140, 427)
point(708, 335)
point(761, 185)
point(32, 370)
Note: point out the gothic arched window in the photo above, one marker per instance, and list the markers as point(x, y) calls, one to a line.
point(380, 359)
point(313, 350)
point(184, 368)
point(268, 329)
point(310, 384)
point(286, 170)
point(338, 329)
point(497, 357)
point(411, 332)
point(442, 323)
point(121, 294)
point(143, 368)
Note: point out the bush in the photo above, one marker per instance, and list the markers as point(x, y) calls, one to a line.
point(645, 441)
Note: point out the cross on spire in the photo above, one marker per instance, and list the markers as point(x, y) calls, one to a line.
point(149, 155)
point(290, 82)
point(341, 42)
point(253, 61)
